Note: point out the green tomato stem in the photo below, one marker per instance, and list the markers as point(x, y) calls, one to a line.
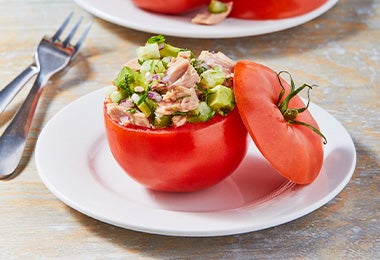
point(290, 114)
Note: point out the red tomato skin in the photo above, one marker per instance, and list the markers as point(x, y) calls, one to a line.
point(188, 158)
point(272, 9)
point(295, 151)
point(169, 7)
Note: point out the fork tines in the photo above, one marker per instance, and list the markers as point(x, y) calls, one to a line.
point(66, 42)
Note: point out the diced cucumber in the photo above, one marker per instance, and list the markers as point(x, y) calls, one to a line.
point(148, 51)
point(166, 49)
point(144, 104)
point(221, 99)
point(166, 60)
point(145, 109)
point(202, 114)
point(216, 7)
point(170, 51)
point(117, 96)
point(212, 77)
point(109, 89)
point(152, 66)
point(163, 121)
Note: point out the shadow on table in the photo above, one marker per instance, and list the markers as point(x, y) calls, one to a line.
point(171, 247)
point(56, 84)
point(283, 240)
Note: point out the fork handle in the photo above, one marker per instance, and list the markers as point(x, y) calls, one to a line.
point(10, 91)
point(13, 140)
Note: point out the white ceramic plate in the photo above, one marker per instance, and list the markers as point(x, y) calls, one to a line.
point(124, 13)
point(74, 162)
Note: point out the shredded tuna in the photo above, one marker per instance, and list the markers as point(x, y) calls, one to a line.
point(159, 86)
point(218, 59)
point(208, 18)
point(185, 54)
point(127, 103)
point(134, 64)
point(116, 112)
point(123, 116)
point(178, 99)
point(176, 68)
point(181, 73)
point(140, 119)
point(178, 120)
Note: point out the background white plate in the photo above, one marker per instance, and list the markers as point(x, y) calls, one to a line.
point(124, 13)
point(74, 162)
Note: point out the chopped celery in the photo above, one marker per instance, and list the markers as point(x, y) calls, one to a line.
point(199, 65)
point(163, 121)
point(217, 7)
point(128, 79)
point(149, 51)
point(145, 109)
point(144, 104)
point(221, 99)
point(202, 114)
point(170, 51)
point(212, 77)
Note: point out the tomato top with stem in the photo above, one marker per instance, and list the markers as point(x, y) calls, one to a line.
point(278, 121)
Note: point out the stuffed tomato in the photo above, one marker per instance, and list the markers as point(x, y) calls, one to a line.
point(171, 121)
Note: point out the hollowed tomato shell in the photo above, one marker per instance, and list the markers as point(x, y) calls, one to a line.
point(187, 158)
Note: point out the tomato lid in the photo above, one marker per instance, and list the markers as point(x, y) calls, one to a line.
point(292, 148)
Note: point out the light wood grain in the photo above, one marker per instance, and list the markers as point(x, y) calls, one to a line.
point(340, 51)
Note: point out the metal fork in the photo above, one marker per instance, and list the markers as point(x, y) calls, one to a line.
point(52, 55)
point(10, 91)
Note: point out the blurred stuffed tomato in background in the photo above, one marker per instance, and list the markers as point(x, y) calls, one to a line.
point(272, 9)
point(169, 7)
point(243, 9)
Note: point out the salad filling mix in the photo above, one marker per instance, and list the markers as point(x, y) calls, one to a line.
point(167, 86)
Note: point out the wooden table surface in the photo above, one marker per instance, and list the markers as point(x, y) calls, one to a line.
point(339, 50)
